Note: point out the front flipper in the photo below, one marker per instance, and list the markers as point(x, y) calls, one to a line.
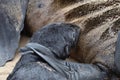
point(80, 71)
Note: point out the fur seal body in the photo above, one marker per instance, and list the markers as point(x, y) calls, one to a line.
point(12, 14)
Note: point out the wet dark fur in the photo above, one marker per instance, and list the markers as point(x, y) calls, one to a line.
point(59, 38)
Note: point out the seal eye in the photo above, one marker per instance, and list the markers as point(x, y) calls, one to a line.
point(40, 5)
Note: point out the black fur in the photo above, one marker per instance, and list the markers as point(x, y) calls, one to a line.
point(59, 38)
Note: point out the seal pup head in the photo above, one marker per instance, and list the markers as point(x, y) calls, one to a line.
point(60, 38)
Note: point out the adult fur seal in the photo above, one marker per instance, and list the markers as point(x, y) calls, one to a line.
point(99, 21)
point(12, 13)
point(45, 54)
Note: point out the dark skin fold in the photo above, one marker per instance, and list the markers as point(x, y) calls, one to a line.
point(60, 39)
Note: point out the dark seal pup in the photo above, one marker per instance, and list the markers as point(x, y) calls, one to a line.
point(43, 57)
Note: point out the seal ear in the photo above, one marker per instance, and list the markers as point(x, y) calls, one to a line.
point(117, 55)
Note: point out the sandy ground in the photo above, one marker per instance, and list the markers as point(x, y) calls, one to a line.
point(6, 70)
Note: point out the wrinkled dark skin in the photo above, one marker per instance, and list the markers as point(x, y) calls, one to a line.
point(60, 38)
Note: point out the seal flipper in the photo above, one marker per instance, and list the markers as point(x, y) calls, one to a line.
point(12, 14)
point(117, 55)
